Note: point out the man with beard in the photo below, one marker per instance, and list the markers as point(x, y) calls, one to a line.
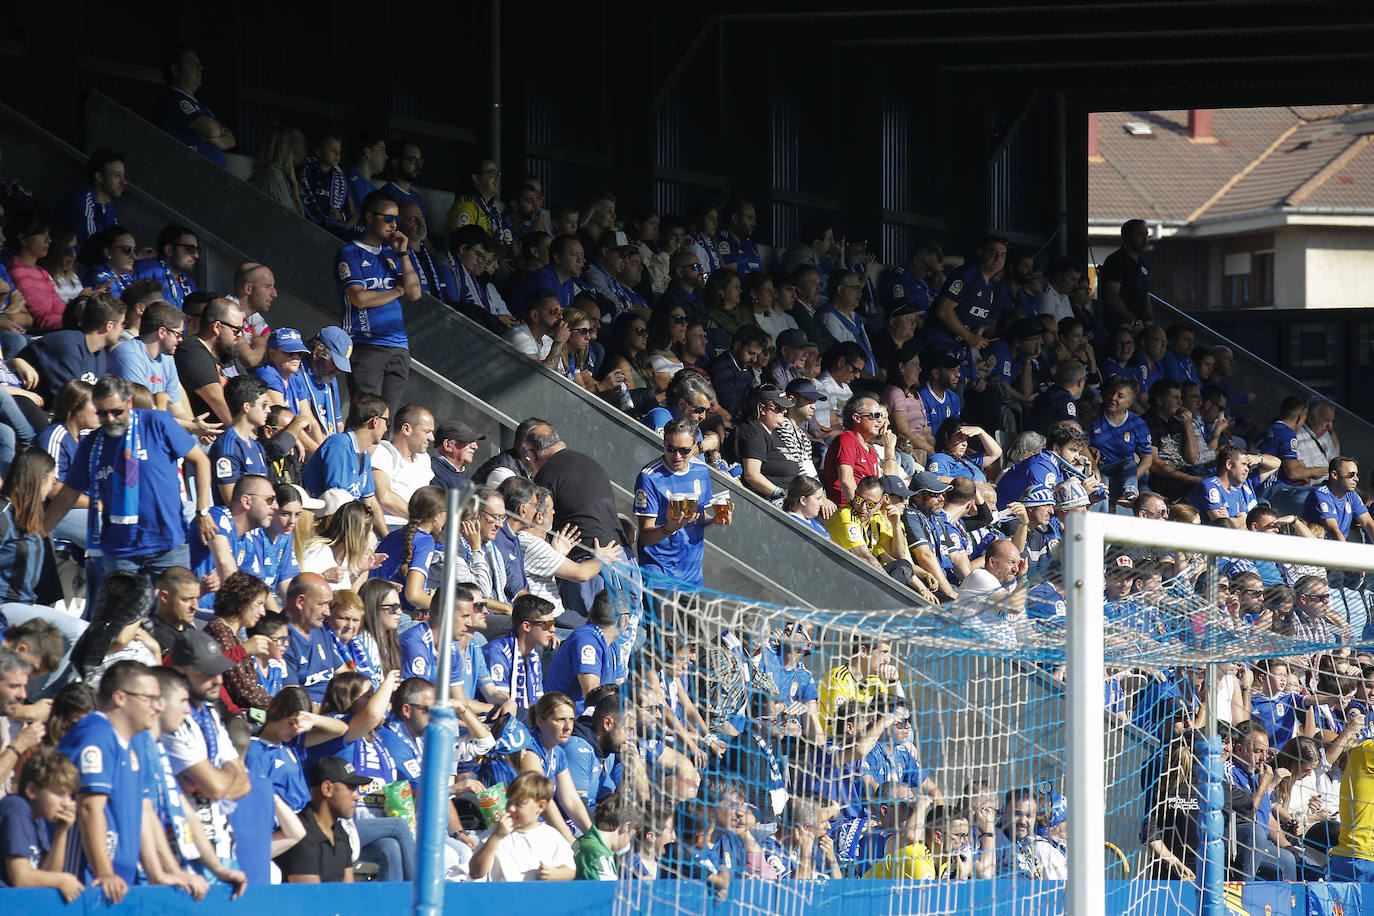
point(431, 264)
point(200, 359)
point(178, 250)
point(130, 466)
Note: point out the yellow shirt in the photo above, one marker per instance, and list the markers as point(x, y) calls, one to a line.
point(1357, 803)
point(840, 683)
point(466, 211)
point(912, 862)
point(849, 531)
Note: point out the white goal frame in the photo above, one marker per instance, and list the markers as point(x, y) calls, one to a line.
point(1086, 534)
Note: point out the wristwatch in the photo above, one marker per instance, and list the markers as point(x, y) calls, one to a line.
point(203, 513)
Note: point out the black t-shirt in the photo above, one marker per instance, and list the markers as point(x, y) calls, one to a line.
point(165, 634)
point(197, 367)
point(753, 440)
point(1134, 277)
point(1166, 435)
point(315, 854)
point(581, 496)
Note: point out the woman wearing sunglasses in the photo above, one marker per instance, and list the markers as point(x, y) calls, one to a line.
point(110, 254)
point(767, 470)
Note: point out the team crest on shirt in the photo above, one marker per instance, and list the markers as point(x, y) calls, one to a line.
point(92, 761)
point(223, 467)
point(641, 499)
point(133, 760)
point(1324, 506)
point(1126, 437)
point(589, 654)
point(724, 247)
point(464, 219)
point(854, 532)
point(413, 768)
point(792, 691)
point(498, 672)
point(188, 107)
point(956, 287)
point(417, 666)
point(1144, 271)
point(343, 271)
point(1278, 709)
point(897, 291)
point(1049, 479)
point(1214, 495)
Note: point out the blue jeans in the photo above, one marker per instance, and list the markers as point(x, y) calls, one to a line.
point(1257, 856)
point(388, 842)
point(15, 430)
point(151, 564)
point(1287, 498)
point(1120, 477)
point(69, 626)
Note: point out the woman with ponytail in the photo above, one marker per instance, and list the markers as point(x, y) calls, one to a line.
point(410, 548)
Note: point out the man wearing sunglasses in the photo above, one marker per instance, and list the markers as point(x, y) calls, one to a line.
point(200, 359)
point(375, 275)
point(178, 251)
point(513, 660)
point(671, 539)
point(544, 334)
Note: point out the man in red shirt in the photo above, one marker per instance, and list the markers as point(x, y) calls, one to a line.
point(867, 448)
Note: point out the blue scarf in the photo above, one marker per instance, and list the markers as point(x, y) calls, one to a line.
point(855, 326)
point(353, 655)
point(206, 720)
point(121, 505)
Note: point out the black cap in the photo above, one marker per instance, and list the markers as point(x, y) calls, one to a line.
point(772, 394)
point(792, 337)
point(893, 486)
point(335, 769)
point(198, 649)
point(804, 388)
point(457, 431)
point(943, 360)
point(901, 309)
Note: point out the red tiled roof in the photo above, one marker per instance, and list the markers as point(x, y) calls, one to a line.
point(1262, 157)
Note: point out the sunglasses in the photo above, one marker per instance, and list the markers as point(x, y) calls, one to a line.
point(236, 328)
point(388, 218)
point(679, 319)
point(867, 503)
point(642, 332)
point(391, 607)
point(585, 332)
point(682, 452)
point(547, 625)
point(126, 249)
point(119, 412)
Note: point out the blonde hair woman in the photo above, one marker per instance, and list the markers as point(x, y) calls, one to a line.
point(274, 171)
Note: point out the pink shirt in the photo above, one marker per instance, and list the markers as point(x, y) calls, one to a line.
point(898, 401)
point(45, 305)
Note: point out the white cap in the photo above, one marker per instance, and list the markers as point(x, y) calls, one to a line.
point(333, 500)
point(305, 499)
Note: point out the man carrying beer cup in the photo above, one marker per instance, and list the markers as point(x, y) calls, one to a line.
point(674, 505)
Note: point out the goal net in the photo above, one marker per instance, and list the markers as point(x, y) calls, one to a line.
point(1067, 743)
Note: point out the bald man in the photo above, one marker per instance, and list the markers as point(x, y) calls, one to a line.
point(255, 289)
point(307, 605)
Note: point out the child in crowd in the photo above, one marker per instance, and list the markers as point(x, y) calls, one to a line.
point(519, 847)
point(270, 664)
point(35, 823)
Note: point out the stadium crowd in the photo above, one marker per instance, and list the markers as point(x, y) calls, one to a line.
point(221, 544)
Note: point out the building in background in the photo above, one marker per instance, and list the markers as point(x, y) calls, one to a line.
point(1248, 207)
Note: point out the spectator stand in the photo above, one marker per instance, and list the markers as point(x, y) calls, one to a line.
point(756, 556)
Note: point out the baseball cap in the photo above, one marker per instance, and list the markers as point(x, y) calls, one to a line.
point(772, 394)
point(457, 431)
point(893, 486)
point(288, 340)
point(340, 346)
point(1038, 496)
point(198, 649)
point(792, 337)
point(942, 360)
point(926, 482)
point(804, 388)
point(333, 500)
point(306, 500)
point(902, 309)
point(1069, 494)
point(334, 769)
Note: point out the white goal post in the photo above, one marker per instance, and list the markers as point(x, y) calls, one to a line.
point(1086, 534)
